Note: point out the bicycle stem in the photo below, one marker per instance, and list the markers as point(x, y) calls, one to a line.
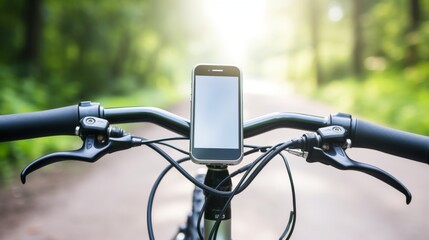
point(215, 204)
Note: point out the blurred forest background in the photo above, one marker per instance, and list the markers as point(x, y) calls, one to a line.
point(367, 57)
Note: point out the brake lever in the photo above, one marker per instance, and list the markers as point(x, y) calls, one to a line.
point(94, 147)
point(335, 156)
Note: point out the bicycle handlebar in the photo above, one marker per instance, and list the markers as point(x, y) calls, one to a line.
point(63, 121)
point(59, 121)
point(388, 140)
point(157, 116)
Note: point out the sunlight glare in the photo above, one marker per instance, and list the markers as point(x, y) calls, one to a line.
point(335, 12)
point(235, 24)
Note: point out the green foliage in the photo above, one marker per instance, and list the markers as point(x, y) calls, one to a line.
point(20, 94)
point(393, 98)
point(392, 90)
point(84, 50)
point(89, 48)
point(95, 45)
point(385, 28)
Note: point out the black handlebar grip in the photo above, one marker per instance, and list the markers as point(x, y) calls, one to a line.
point(59, 121)
point(391, 141)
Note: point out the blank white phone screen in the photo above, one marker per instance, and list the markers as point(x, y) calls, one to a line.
point(216, 112)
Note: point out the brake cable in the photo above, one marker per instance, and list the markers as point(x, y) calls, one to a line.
point(166, 170)
point(260, 163)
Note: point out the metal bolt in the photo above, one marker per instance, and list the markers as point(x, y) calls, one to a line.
point(347, 144)
point(90, 120)
point(101, 139)
point(336, 129)
point(77, 131)
point(325, 147)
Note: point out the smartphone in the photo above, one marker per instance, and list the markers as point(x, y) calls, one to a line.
point(216, 115)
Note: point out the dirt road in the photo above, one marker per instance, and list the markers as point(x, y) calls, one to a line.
point(107, 200)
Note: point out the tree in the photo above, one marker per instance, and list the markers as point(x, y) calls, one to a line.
point(412, 32)
point(314, 16)
point(32, 33)
point(358, 45)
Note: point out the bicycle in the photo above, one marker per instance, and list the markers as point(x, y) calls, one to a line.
point(325, 143)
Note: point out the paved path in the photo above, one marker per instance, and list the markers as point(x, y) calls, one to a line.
point(108, 199)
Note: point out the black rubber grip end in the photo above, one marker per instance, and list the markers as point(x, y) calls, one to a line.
point(59, 121)
point(391, 141)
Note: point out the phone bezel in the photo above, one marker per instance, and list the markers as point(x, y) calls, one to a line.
point(217, 156)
